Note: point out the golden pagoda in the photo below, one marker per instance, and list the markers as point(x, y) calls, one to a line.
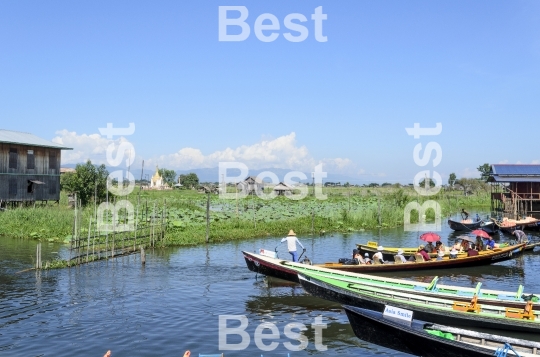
point(157, 180)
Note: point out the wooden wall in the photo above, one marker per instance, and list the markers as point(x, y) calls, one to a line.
point(45, 170)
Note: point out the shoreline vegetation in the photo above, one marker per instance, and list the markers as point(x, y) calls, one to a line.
point(346, 210)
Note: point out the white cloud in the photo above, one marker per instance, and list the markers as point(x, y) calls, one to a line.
point(85, 147)
point(470, 173)
point(282, 152)
point(535, 162)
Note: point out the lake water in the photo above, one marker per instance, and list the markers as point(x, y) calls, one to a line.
point(173, 304)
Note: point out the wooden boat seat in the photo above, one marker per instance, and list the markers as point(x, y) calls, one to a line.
point(419, 258)
point(527, 313)
point(512, 297)
point(469, 293)
point(431, 287)
point(473, 306)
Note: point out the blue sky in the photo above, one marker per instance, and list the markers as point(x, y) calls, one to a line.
point(68, 68)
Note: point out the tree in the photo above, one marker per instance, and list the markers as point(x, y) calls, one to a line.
point(85, 181)
point(169, 176)
point(431, 183)
point(484, 171)
point(190, 180)
point(452, 179)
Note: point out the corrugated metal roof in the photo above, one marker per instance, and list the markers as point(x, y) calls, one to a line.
point(514, 179)
point(515, 170)
point(17, 137)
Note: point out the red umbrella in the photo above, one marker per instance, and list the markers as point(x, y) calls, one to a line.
point(430, 237)
point(481, 233)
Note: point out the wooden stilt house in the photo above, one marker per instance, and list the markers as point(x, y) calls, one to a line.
point(29, 168)
point(515, 191)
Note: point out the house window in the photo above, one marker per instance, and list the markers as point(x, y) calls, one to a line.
point(13, 187)
point(52, 160)
point(30, 162)
point(12, 158)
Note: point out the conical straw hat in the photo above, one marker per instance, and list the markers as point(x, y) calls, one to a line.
point(291, 233)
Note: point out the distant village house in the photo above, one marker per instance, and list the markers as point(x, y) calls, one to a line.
point(251, 185)
point(282, 189)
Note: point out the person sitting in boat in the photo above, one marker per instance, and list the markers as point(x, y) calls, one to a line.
point(291, 244)
point(440, 254)
point(423, 252)
point(366, 259)
point(479, 243)
point(477, 219)
point(357, 257)
point(429, 247)
point(464, 214)
point(453, 253)
point(521, 237)
point(471, 252)
point(379, 254)
point(439, 246)
point(412, 257)
point(490, 244)
point(400, 256)
point(465, 245)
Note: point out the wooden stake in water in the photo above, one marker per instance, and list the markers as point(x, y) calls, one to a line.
point(88, 242)
point(143, 256)
point(208, 216)
point(163, 218)
point(38, 256)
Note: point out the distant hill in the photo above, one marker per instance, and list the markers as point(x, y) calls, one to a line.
point(212, 174)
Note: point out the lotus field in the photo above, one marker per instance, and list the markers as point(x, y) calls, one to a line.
point(184, 214)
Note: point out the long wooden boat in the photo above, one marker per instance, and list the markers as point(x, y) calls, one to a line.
point(389, 252)
point(426, 339)
point(288, 270)
point(441, 311)
point(489, 227)
point(485, 257)
point(464, 226)
point(510, 225)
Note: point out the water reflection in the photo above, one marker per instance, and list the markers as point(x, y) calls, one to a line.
point(174, 302)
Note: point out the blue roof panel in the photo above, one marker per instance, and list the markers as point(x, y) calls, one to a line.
point(515, 170)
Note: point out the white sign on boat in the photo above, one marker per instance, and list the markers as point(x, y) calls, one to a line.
point(268, 253)
point(397, 313)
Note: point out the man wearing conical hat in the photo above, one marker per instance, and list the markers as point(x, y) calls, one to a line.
point(291, 244)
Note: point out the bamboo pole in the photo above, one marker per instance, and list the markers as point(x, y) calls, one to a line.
point(88, 242)
point(136, 221)
point(207, 216)
point(164, 225)
point(154, 226)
